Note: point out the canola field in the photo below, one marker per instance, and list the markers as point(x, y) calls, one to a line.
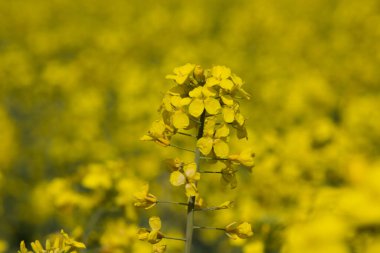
point(82, 81)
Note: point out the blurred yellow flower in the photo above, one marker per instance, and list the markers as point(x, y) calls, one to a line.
point(188, 175)
point(203, 98)
point(158, 248)
point(159, 133)
point(181, 73)
point(154, 235)
point(245, 158)
point(144, 198)
point(240, 230)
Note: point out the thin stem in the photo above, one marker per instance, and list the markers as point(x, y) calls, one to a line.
point(198, 227)
point(186, 134)
point(213, 158)
point(191, 203)
point(174, 238)
point(193, 120)
point(213, 208)
point(210, 172)
point(171, 202)
point(174, 146)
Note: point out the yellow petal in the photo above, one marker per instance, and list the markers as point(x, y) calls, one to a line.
point(196, 107)
point(177, 178)
point(176, 101)
point(212, 105)
point(237, 80)
point(196, 93)
point(246, 158)
point(143, 234)
point(180, 120)
point(222, 131)
point(209, 127)
point(212, 81)
point(208, 92)
point(166, 104)
point(23, 248)
point(185, 101)
point(221, 149)
point(226, 84)
point(244, 94)
point(228, 114)
point(146, 138)
point(170, 76)
point(221, 72)
point(173, 164)
point(225, 205)
point(153, 237)
point(177, 90)
point(227, 100)
point(191, 190)
point(190, 170)
point(244, 230)
point(37, 247)
point(205, 145)
point(142, 193)
point(240, 119)
point(155, 223)
point(158, 248)
point(78, 245)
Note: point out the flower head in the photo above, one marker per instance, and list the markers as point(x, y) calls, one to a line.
point(159, 133)
point(188, 176)
point(182, 73)
point(240, 230)
point(153, 235)
point(158, 248)
point(144, 199)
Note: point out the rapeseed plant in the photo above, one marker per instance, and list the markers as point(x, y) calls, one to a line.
point(205, 102)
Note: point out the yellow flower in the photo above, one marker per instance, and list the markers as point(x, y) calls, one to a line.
point(203, 98)
point(159, 133)
point(214, 140)
point(187, 175)
point(154, 235)
point(144, 198)
point(220, 76)
point(158, 248)
point(62, 243)
point(71, 242)
point(174, 164)
point(245, 158)
point(241, 230)
point(173, 107)
point(182, 73)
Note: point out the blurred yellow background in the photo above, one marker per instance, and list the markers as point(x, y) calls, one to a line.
point(81, 81)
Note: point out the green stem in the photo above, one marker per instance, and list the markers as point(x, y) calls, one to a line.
point(191, 203)
point(214, 208)
point(186, 134)
point(171, 202)
point(197, 227)
point(181, 148)
point(210, 172)
point(174, 238)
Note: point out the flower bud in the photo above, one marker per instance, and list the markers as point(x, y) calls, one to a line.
point(199, 74)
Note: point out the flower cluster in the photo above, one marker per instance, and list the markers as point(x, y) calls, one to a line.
point(61, 244)
point(209, 102)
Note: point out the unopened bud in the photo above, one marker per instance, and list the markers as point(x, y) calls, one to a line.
point(199, 74)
